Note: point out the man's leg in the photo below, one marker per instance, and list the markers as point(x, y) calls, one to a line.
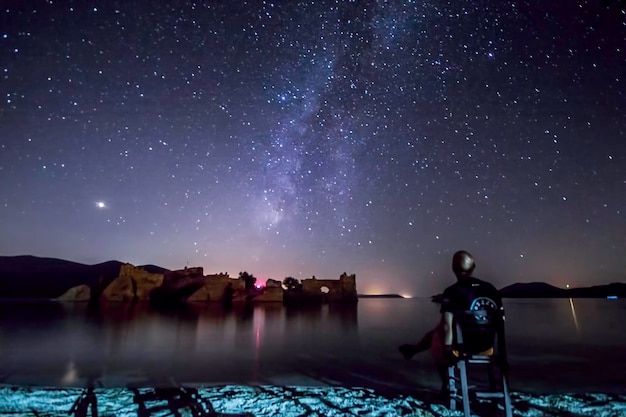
point(408, 350)
point(442, 370)
point(441, 361)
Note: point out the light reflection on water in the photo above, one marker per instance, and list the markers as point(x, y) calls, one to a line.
point(582, 340)
point(571, 303)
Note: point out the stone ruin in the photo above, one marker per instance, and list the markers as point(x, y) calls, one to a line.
point(190, 284)
point(330, 290)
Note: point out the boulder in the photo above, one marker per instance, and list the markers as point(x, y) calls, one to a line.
point(78, 293)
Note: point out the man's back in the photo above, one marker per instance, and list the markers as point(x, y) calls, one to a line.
point(471, 293)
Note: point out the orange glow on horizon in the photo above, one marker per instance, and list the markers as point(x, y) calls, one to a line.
point(373, 289)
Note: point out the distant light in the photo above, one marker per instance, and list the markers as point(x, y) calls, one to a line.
point(406, 296)
point(101, 204)
point(566, 285)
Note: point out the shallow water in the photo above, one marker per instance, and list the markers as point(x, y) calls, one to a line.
point(554, 345)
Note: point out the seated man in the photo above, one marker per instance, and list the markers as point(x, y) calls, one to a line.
point(468, 293)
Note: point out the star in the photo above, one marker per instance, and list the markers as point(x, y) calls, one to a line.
point(101, 204)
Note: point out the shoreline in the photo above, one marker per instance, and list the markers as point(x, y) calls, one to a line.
point(277, 400)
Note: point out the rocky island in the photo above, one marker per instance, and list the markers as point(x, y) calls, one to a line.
point(32, 277)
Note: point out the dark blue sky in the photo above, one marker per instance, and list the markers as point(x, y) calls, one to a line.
point(313, 138)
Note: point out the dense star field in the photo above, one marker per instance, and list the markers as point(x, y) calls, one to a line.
point(312, 138)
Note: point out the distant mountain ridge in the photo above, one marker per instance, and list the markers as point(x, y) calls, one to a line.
point(28, 276)
point(532, 290)
point(543, 290)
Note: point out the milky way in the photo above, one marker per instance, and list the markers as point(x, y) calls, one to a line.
point(313, 138)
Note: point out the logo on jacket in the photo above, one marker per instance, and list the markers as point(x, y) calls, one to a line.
point(483, 303)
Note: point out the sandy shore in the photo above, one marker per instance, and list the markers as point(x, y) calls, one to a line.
point(270, 400)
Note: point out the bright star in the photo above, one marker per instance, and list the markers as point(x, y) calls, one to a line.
point(100, 204)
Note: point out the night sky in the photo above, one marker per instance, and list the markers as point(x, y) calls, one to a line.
point(313, 138)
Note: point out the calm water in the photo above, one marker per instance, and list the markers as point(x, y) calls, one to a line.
point(554, 345)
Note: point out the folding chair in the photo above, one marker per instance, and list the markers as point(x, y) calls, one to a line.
point(480, 329)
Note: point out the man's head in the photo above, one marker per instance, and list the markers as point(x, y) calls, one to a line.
point(463, 264)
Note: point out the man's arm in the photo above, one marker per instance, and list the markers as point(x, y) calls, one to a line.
point(447, 328)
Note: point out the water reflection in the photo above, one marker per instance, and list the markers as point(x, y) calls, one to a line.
point(571, 303)
point(71, 374)
point(321, 315)
point(119, 344)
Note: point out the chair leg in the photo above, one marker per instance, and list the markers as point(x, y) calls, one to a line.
point(452, 391)
point(507, 397)
point(464, 388)
point(465, 395)
point(492, 376)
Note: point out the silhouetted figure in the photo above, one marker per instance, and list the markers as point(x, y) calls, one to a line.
point(468, 293)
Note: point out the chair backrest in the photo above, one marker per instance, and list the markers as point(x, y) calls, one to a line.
point(476, 331)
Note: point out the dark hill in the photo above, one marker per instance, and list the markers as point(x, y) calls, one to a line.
point(532, 290)
point(34, 277)
point(543, 290)
point(153, 269)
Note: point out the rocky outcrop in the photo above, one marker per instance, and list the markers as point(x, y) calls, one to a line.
point(178, 286)
point(133, 283)
point(78, 293)
point(215, 289)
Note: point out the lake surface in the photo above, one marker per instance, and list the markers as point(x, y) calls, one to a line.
point(555, 345)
